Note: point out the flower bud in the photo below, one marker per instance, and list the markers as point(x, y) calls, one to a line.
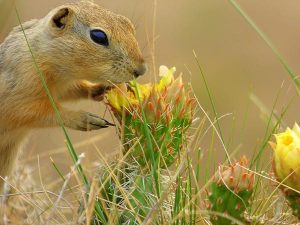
point(237, 176)
point(287, 157)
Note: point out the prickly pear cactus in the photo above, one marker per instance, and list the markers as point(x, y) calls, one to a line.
point(168, 108)
point(230, 194)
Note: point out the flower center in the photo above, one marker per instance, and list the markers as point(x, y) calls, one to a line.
point(287, 140)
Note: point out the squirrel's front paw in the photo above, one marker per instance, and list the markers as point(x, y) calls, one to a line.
point(98, 91)
point(86, 121)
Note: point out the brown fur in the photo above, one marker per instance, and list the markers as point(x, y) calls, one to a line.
point(71, 64)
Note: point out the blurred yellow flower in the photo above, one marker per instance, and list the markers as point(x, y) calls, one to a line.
point(287, 157)
point(167, 77)
point(120, 97)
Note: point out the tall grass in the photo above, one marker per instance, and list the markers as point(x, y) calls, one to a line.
point(267, 40)
point(143, 187)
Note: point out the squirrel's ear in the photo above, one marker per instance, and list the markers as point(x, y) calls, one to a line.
point(62, 18)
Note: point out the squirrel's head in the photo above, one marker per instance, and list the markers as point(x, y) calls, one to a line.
point(86, 41)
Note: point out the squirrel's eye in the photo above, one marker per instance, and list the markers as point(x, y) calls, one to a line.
point(99, 37)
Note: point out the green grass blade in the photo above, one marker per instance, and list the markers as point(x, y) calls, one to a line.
point(213, 106)
point(147, 133)
point(57, 114)
point(268, 42)
point(266, 135)
point(209, 95)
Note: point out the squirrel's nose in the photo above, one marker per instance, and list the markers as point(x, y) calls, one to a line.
point(140, 70)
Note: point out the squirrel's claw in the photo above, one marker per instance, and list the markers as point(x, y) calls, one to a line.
point(109, 124)
point(86, 121)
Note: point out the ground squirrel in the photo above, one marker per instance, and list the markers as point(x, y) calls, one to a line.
point(80, 48)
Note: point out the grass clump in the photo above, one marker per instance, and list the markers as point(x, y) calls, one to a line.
point(161, 175)
point(155, 182)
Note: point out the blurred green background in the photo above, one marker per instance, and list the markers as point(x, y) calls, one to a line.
point(236, 62)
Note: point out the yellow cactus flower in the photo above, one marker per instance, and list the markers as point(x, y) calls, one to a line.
point(119, 97)
point(287, 157)
point(167, 77)
point(141, 90)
